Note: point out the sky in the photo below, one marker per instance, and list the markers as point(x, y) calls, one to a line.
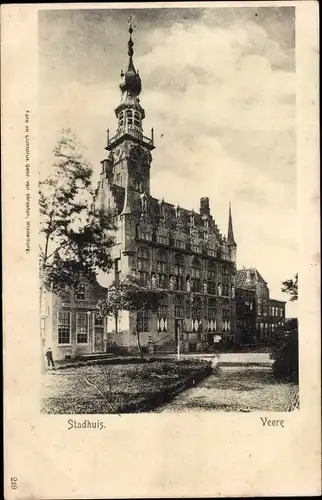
point(219, 90)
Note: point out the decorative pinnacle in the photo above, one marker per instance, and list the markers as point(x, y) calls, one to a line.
point(230, 236)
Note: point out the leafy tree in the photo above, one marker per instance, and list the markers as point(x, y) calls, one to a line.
point(291, 288)
point(130, 295)
point(75, 239)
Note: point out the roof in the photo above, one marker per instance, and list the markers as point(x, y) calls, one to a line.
point(175, 217)
point(249, 278)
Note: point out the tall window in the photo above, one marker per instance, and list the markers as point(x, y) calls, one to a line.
point(179, 271)
point(137, 121)
point(226, 310)
point(129, 117)
point(121, 120)
point(161, 268)
point(178, 307)
point(143, 321)
point(212, 278)
point(196, 308)
point(225, 278)
point(64, 327)
point(98, 324)
point(143, 265)
point(211, 311)
point(81, 328)
point(80, 293)
point(196, 275)
point(162, 318)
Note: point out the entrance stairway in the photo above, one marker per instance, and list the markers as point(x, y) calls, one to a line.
point(166, 345)
point(96, 355)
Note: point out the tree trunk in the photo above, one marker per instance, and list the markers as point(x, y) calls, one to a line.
point(42, 353)
point(139, 344)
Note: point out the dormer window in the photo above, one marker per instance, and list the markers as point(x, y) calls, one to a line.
point(80, 293)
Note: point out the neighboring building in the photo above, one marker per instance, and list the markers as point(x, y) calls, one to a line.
point(70, 322)
point(245, 316)
point(180, 250)
point(270, 313)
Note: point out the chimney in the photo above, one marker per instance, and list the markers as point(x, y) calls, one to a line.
point(204, 206)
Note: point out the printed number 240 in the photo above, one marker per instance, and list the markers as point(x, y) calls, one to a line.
point(14, 483)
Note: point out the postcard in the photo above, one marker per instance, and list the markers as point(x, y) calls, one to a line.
point(161, 250)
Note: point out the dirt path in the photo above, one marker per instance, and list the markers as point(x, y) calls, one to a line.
point(237, 389)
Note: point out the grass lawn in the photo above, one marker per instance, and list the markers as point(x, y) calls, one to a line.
point(118, 388)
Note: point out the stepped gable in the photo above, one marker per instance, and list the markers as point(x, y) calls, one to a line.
point(159, 211)
point(249, 278)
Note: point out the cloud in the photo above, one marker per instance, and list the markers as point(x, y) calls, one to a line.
point(220, 94)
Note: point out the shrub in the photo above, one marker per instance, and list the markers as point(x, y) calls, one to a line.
point(286, 364)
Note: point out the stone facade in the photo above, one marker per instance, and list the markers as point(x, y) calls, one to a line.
point(270, 313)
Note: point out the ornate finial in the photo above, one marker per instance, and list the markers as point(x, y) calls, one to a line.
point(131, 23)
point(131, 28)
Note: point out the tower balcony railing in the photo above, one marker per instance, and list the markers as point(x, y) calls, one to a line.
point(133, 131)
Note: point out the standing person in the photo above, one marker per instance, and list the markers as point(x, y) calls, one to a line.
point(49, 356)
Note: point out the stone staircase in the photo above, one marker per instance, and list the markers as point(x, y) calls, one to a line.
point(168, 345)
point(96, 355)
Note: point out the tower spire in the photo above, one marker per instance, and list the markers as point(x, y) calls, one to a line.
point(230, 237)
point(131, 81)
point(130, 44)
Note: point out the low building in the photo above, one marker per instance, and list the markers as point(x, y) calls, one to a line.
point(70, 322)
point(270, 313)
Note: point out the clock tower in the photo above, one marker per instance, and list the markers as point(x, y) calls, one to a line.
point(129, 150)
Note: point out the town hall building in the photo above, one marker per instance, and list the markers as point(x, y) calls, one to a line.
point(180, 250)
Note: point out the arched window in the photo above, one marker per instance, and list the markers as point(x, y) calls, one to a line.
point(121, 119)
point(129, 117)
point(211, 311)
point(196, 275)
point(226, 310)
point(179, 306)
point(137, 119)
point(196, 313)
point(179, 271)
point(211, 315)
point(162, 316)
point(143, 265)
point(212, 277)
point(225, 279)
